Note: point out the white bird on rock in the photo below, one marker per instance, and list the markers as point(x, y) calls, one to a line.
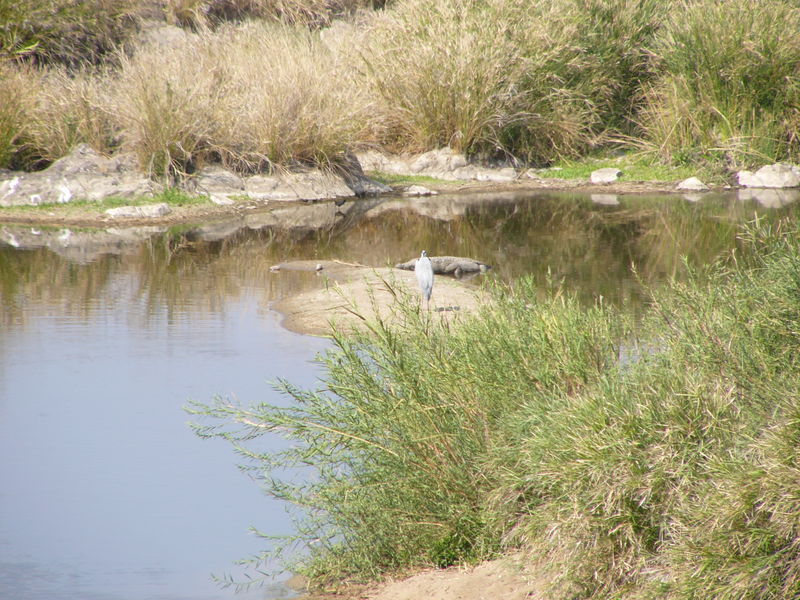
point(424, 271)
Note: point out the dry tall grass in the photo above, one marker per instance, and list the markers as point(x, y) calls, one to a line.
point(291, 98)
point(500, 78)
point(166, 103)
point(68, 109)
point(254, 96)
point(18, 85)
point(479, 77)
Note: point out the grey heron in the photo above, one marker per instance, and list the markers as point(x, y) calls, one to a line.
point(424, 272)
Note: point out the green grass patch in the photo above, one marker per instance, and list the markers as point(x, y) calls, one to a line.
point(633, 167)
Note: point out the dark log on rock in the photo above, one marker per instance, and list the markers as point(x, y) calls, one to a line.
point(449, 265)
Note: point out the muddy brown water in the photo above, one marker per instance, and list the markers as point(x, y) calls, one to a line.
point(106, 494)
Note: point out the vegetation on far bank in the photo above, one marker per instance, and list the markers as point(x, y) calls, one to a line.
point(656, 461)
point(273, 83)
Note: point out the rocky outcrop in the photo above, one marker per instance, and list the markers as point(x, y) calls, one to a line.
point(778, 175)
point(605, 175)
point(418, 190)
point(441, 164)
point(146, 211)
point(83, 174)
point(692, 184)
point(225, 187)
point(86, 175)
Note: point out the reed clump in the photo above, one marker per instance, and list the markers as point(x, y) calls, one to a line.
point(730, 89)
point(283, 98)
point(664, 468)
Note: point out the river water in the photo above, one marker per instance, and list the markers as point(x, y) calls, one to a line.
point(106, 494)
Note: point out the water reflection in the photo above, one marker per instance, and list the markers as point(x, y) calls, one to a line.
point(106, 493)
point(105, 335)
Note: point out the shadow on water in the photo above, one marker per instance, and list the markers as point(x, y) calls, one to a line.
point(106, 334)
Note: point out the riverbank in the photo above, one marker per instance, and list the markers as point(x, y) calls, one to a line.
point(500, 579)
point(256, 84)
point(85, 189)
point(88, 215)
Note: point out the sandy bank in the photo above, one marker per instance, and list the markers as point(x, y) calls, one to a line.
point(351, 295)
point(503, 578)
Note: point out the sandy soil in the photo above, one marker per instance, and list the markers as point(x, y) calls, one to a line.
point(495, 580)
point(501, 579)
point(354, 295)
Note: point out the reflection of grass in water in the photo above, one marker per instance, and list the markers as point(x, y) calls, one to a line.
point(568, 237)
point(560, 236)
point(49, 279)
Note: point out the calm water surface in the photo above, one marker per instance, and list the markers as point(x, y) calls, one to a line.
point(104, 491)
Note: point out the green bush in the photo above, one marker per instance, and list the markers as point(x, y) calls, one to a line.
point(731, 84)
point(398, 441)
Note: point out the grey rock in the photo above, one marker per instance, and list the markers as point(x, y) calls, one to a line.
point(268, 187)
point(82, 174)
point(355, 178)
point(215, 179)
point(418, 190)
point(692, 184)
point(364, 186)
point(442, 160)
point(778, 175)
point(317, 185)
point(605, 175)
point(441, 164)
